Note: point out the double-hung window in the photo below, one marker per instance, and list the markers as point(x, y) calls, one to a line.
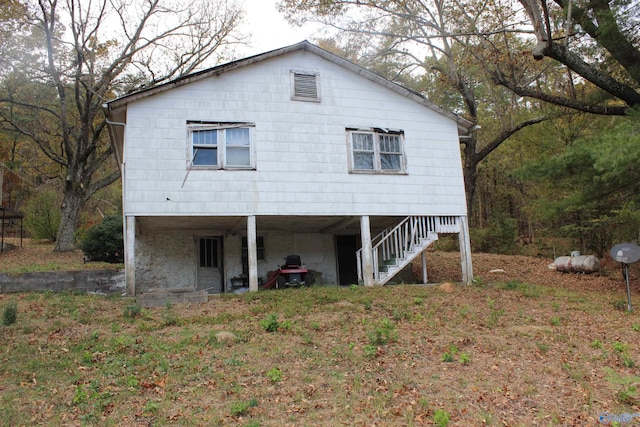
point(221, 145)
point(377, 151)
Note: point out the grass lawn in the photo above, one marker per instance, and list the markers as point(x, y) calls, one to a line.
point(506, 353)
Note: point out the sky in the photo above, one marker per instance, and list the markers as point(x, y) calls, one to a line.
point(269, 28)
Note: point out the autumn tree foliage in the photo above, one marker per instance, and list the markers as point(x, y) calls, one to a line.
point(438, 41)
point(76, 55)
point(597, 42)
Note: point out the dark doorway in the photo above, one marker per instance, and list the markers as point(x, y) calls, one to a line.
point(346, 247)
point(210, 264)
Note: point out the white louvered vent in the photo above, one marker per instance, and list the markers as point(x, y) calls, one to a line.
point(305, 86)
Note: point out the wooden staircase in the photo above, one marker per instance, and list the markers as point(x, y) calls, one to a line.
point(396, 247)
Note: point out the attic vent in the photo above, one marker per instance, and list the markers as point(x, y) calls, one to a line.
point(304, 86)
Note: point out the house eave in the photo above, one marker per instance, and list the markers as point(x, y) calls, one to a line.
point(464, 125)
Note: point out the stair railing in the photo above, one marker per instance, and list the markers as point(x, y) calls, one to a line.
point(396, 242)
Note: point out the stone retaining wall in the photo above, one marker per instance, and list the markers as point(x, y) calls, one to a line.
point(101, 281)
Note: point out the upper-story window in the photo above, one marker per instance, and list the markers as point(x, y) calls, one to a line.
point(221, 145)
point(305, 86)
point(377, 151)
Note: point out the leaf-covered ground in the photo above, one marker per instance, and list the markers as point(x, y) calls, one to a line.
point(29, 256)
point(525, 347)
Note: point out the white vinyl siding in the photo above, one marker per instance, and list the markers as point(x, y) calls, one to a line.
point(221, 146)
point(300, 151)
point(377, 151)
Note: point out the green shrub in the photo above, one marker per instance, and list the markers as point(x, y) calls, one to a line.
point(105, 242)
point(42, 215)
point(499, 237)
point(9, 313)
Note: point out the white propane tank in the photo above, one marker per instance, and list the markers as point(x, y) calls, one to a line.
point(578, 264)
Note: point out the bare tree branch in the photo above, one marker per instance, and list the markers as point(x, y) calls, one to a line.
point(559, 100)
point(91, 50)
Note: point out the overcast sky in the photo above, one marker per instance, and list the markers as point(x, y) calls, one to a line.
point(270, 30)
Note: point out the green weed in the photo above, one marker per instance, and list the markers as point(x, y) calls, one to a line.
point(370, 350)
point(234, 360)
point(274, 374)
point(132, 311)
point(384, 333)
point(494, 317)
point(80, 395)
point(441, 418)
point(242, 407)
point(619, 347)
point(152, 407)
point(542, 347)
point(169, 318)
point(449, 356)
point(271, 323)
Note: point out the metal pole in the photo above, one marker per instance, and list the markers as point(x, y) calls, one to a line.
point(626, 276)
point(2, 243)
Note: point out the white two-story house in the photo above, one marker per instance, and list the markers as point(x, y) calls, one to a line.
point(294, 151)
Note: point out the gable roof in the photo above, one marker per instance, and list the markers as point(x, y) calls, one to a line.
point(111, 108)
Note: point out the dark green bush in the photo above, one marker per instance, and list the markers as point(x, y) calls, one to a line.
point(498, 238)
point(104, 242)
point(9, 314)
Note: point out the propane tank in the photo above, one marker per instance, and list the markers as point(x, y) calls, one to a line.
point(578, 264)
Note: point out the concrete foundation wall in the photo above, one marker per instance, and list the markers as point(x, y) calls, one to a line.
point(102, 281)
point(165, 261)
point(316, 250)
point(169, 260)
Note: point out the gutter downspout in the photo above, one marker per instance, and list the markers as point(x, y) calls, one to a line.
point(128, 224)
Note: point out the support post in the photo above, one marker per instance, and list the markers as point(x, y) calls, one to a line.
point(424, 268)
point(367, 256)
point(130, 255)
point(465, 250)
point(2, 232)
point(252, 253)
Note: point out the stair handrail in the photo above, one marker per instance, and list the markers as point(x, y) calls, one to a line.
point(405, 236)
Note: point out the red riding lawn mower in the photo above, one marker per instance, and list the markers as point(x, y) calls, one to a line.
point(291, 274)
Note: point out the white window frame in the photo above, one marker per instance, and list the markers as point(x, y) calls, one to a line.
point(221, 146)
point(292, 79)
point(377, 163)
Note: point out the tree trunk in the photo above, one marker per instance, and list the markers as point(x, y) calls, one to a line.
point(470, 172)
point(72, 205)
